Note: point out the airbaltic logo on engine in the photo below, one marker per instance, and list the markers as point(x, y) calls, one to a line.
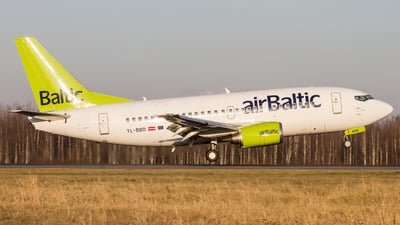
point(276, 102)
point(60, 97)
point(268, 132)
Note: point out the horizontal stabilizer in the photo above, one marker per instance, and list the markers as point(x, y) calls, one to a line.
point(41, 115)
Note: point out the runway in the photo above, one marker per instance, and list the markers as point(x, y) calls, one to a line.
point(199, 167)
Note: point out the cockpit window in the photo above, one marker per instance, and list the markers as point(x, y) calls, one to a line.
point(363, 98)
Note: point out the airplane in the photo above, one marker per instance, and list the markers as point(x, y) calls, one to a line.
point(248, 119)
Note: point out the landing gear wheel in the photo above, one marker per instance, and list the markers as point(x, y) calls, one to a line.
point(212, 155)
point(347, 144)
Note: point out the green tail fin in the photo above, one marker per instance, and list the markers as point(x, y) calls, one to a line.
point(53, 87)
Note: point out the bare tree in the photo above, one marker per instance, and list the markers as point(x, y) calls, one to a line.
point(21, 144)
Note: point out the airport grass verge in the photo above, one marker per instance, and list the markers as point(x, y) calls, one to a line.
point(198, 196)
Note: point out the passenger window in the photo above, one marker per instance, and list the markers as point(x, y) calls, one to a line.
point(190, 114)
point(183, 114)
point(216, 111)
point(209, 112)
point(202, 113)
point(223, 111)
point(133, 119)
point(196, 113)
point(127, 120)
point(248, 110)
point(146, 118)
point(140, 118)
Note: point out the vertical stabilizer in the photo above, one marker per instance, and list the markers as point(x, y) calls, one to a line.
point(53, 87)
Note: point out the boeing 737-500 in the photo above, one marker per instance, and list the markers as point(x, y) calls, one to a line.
point(248, 119)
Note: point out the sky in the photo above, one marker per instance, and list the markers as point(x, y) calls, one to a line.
point(162, 49)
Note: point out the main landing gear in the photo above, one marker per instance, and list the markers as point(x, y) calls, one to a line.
point(212, 154)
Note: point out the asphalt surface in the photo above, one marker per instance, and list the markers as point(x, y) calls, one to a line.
point(199, 167)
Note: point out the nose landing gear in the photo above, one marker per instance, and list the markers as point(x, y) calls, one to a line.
point(346, 141)
point(349, 132)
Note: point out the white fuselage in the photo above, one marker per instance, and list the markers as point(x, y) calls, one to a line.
point(300, 110)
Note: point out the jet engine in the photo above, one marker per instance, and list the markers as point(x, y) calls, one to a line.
point(260, 134)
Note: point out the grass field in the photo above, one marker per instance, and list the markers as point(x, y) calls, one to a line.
point(162, 196)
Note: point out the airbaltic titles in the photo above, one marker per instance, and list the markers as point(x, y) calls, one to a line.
point(61, 97)
point(275, 102)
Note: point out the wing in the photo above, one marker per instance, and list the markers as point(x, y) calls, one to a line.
point(191, 129)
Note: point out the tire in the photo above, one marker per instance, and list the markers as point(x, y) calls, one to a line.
point(212, 155)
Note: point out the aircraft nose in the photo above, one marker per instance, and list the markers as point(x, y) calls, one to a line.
point(385, 108)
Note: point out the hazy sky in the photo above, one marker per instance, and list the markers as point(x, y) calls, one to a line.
point(174, 48)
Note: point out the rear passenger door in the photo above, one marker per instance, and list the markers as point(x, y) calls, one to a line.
point(103, 124)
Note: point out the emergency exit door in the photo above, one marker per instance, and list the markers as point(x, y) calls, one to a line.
point(103, 124)
point(230, 112)
point(336, 103)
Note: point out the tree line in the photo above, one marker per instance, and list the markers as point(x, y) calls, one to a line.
point(21, 144)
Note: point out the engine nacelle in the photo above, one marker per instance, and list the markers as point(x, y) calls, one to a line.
point(260, 134)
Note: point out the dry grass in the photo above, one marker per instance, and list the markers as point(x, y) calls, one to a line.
point(60, 196)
